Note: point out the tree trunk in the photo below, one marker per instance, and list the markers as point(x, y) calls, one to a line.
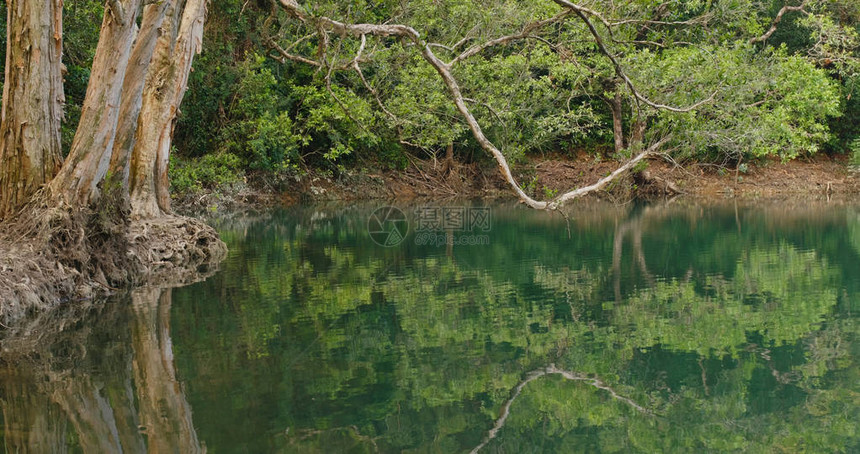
point(164, 90)
point(616, 105)
point(132, 92)
point(30, 149)
point(637, 133)
point(89, 157)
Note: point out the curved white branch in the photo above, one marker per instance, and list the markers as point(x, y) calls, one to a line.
point(552, 370)
point(776, 22)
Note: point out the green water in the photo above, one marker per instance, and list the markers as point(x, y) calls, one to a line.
point(679, 328)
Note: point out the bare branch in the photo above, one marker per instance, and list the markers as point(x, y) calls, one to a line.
point(523, 34)
point(652, 150)
point(357, 67)
point(489, 107)
point(777, 20)
point(285, 55)
point(584, 14)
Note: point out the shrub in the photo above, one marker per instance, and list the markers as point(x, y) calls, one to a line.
point(207, 172)
point(854, 147)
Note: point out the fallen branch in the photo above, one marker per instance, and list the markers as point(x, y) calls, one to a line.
point(560, 200)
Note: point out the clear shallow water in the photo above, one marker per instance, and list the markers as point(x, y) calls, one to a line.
point(667, 328)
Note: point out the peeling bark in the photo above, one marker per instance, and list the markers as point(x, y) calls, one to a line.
point(30, 149)
point(133, 85)
point(165, 87)
point(87, 163)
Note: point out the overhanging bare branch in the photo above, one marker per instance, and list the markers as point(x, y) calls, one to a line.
point(777, 20)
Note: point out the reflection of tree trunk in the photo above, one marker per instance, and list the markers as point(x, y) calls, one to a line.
point(32, 423)
point(617, 250)
point(164, 412)
point(120, 396)
point(631, 226)
point(93, 415)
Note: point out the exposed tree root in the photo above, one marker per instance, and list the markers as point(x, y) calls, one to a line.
point(49, 256)
point(551, 370)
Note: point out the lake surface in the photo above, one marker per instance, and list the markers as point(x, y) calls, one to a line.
point(450, 328)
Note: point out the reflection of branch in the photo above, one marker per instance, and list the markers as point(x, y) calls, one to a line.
point(305, 434)
point(552, 370)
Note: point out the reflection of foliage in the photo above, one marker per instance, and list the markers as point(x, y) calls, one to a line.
point(336, 343)
point(854, 229)
point(781, 294)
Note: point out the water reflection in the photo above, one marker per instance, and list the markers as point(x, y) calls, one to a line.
point(98, 381)
point(644, 329)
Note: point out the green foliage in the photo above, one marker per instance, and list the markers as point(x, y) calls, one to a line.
point(81, 25)
point(854, 148)
point(260, 131)
point(207, 172)
point(765, 103)
point(791, 95)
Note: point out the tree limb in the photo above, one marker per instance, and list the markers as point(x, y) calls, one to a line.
point(584, 14)
point(777, 20)
point(652, 150)
point(524, 33)
point(285, 55)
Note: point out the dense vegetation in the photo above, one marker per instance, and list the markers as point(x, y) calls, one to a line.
point(793, 94)
point(787, 92)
